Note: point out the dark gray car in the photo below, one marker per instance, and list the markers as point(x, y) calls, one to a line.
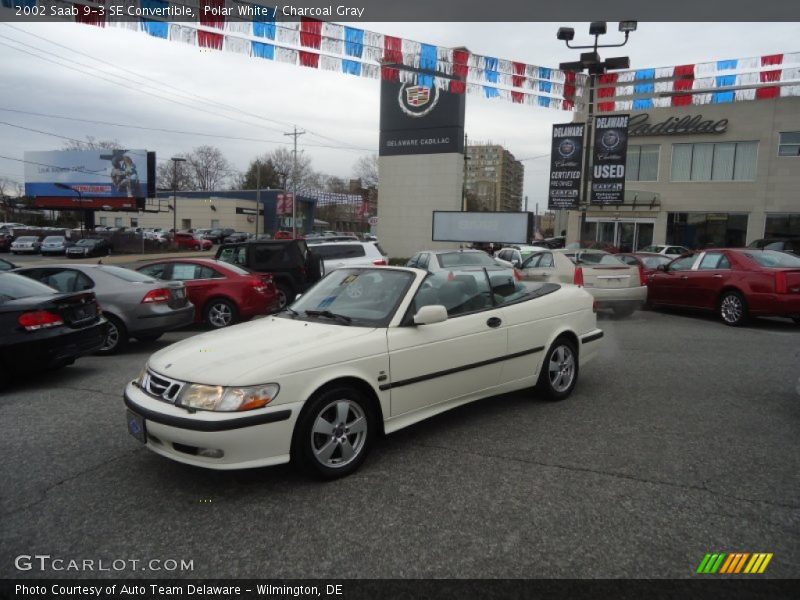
point(136, 305)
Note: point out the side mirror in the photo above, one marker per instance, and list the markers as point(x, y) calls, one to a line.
point(516, 263)
point(428, 315)
point(661, 268)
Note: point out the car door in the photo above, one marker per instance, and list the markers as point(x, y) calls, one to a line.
point(199, 283)
point(441, 362)
point(670, 286)
point(539, 267)
point(712, 275)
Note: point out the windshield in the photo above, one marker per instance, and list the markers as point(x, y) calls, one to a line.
point(596, 258)
point(368, 297)
point(13, 286)
point(54, 239)
point(86, 243)
point(652, 262)
point(771, 258)
point(655, 249)
point(27, 238)
point(465, 259)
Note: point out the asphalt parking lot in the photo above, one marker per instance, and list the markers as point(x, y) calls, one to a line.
point(682, 439)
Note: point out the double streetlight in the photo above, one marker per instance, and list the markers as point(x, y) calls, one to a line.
point(594, 66)
point(64, 186)
point(175, 160)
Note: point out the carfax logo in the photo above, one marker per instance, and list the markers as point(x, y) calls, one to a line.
point(417, 100)
point(734, 563)
point(567, 148)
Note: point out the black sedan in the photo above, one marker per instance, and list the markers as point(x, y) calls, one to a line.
point(89, 247)
point(42, 329)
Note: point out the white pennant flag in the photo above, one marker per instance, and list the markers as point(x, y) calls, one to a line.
point(330, 63)
point(285, 55)
point(288, 34)
point(236, 45)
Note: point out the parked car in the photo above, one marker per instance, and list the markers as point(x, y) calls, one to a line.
point(648, 260)
point(26, 244)
point(191, 241)
point(43, 329)
point(136, 305)
point(514, 256)
point(6, 265)
point(366, 350)
point(222, 293)
point(89, 247)
point(292, 264)
point(5, 242)
point(737, 283)
point(55, 244)
point(217, 235)
point(336, 255)
point(666, 249)
point(435, 261)
point(236, 236)
point(781, 244)
point(614, 284)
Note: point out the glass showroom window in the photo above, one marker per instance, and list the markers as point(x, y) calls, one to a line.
point(724, 161)
point(782, 225)
point(707, 230)
point(789, 143)
point(642, 163)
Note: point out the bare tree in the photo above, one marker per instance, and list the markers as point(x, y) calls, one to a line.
point(6, 184)
point(282, 160)
point(92, 143)
point(178, 177)
point(209, 168)
point(366, 169)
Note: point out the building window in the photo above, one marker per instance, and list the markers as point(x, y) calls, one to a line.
point(134, 222)
point(214, 223)
point(789, 143)
point(103, 221)
point(724, 161)
point(785, 225)
point(707, 230)
point(642, 163)
point(117, 221)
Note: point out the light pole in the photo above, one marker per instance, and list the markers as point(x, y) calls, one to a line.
point(175, 160)
point(64, 186)
point(590, 62)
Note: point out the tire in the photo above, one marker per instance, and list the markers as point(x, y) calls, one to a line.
point(220, 313)
point(116, 337)
point(333, 433)
point(625, 310)
point(285, 295)
point(197, 247)
point(149, 338)
point(560, 361)
point(733, 309)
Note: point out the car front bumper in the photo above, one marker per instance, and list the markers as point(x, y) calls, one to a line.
point(610, 297)
point(24, 250)
point(256, 438)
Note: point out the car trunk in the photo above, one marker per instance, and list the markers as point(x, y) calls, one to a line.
point(177, 293)
point(610, 276)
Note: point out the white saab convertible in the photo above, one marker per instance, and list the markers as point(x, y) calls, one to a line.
point(366, 351)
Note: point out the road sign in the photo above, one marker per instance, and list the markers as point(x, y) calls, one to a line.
point(373, 220)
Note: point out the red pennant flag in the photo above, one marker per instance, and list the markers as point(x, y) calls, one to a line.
point(310, 32)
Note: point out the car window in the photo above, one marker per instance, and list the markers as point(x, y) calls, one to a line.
point(424, 260)
point(66, 280)
point(235, 256)
point(652, 262)
point(465, 259)
point(184, 272)
point(13, 286)
point(270, 257)
point(674, 250)
point(714, 260)
point(629, 260)
point(156, 271)
point(413, 261)
point(774, 246)
point(460, 292)
point(771, 258)
point(334, 251)
point(126, 274)
point(598, 258)
point(682, 264)
point(5, 265)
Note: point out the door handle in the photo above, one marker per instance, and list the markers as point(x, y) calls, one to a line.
point(494, 322)
point(717, 276)
point(684, 277)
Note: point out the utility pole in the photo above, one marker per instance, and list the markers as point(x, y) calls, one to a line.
point(464, 186)
point(258, 192)
point(294, 134)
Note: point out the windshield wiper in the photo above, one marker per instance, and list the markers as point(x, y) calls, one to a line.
point(330, 315)
point(293, 312)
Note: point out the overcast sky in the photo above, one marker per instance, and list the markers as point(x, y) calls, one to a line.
point(340, 110)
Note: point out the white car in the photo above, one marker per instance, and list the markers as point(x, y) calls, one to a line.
point(666, 249)
point(614, 284)
point(27, 244)
point(365, 351)
point(514, 256)
point(336, 255)
point(435, 261)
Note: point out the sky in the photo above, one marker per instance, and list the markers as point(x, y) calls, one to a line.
point(261, 100)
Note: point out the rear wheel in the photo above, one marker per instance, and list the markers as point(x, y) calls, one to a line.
point(116, 336)
point(559, 374)
point(220, 313)
point(285, 294)
point(334, 433)
point(733, 309)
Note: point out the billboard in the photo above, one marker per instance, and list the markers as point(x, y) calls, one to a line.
point(566, 157)
point(502, 227)
point(416, 119)
point(610, 155)
point(97, 173)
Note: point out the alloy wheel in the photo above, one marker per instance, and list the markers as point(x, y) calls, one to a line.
point(339, 433)
point(220, 315)
point(731, 308)
point(112, 337)
point(561, 368)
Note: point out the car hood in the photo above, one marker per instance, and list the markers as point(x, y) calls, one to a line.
point(261, 350)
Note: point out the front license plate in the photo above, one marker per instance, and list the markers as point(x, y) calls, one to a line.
point(136, 427)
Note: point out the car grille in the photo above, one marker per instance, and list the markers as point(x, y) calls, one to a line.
point(160, 387)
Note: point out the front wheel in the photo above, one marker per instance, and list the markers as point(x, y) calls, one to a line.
point(334, 433)
point(733, 309)
point(285, 295)
point(559, 374)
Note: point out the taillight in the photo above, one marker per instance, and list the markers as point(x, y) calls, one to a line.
point(259, 285)
point(379, 263)
point(578, 277)
point(517, 275)
point(159, 295)
point(781, 282)
point(642, 276)
point(39, 319)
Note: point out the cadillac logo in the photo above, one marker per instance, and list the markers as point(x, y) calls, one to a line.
point(610, 139)
point(417, 100)
point(567, 148)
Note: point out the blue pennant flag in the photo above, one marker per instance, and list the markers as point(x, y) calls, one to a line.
point(727, 65)
point(353, 42)
point(490, 92)
point(642, 104)
point(264, 23)
point(264, 50)
point(351, 67)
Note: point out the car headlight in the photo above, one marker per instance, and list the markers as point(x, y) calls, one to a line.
point(227, 399)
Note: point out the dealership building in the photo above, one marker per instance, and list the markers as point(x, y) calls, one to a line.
point(703, 176)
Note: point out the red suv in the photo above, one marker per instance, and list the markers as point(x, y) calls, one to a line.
point(189, 240)
point(221, 293)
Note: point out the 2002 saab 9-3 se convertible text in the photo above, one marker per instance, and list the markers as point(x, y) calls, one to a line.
point(365, 351)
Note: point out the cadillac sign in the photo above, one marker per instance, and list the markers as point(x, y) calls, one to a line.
point(639, 125)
